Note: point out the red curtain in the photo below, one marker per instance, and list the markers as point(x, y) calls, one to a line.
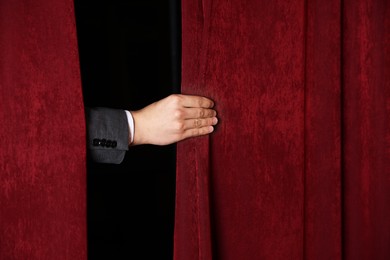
point(299, 165)
point(42, 155)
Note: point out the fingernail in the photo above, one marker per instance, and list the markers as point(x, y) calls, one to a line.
point(215, 120)
point(211, 129)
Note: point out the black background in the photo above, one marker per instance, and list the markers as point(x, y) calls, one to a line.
point(129, 58)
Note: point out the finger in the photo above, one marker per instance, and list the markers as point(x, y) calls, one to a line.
point(199, 123)
point(199, 113)
point(198, 132)
point(196, 101)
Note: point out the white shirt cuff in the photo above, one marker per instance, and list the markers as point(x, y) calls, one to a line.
point(130, 122)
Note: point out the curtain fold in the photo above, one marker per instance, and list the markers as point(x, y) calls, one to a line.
point(42, 155)
point(298, 166)
point(322, 117)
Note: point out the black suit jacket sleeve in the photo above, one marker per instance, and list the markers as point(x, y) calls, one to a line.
point(107, 134)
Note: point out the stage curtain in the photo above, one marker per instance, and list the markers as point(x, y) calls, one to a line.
point(42, 154)
point(299, 164)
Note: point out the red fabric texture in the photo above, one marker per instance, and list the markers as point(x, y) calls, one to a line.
point(42, 155)
point(298, 167)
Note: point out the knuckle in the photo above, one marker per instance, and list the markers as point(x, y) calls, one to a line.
point(175, 99)
point(195, 132)
point(201, 113)
point(197, 122)
point(179, 126)
point(178, 114)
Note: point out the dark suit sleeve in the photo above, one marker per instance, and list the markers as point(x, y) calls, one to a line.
point(107, 134)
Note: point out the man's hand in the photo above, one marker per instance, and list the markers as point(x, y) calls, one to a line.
point(174, 118)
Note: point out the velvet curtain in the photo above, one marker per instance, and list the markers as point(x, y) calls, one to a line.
point(42, 154)
point(299, 165)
